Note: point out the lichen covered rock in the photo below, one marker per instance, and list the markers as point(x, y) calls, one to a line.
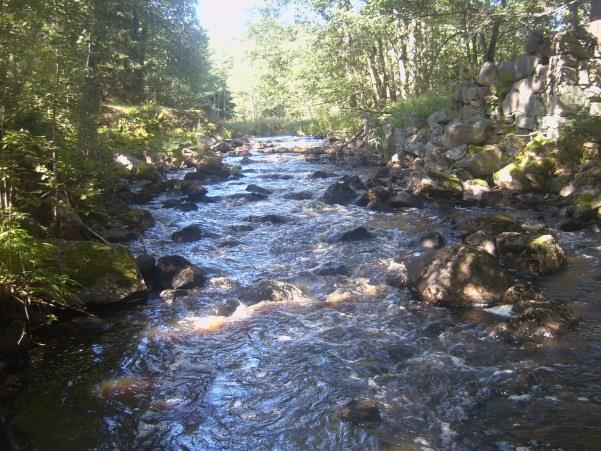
point(107, 273)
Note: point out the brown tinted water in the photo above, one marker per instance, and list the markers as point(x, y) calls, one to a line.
point(273, 376)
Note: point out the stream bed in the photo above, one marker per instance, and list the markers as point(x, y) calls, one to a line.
point(173, 375)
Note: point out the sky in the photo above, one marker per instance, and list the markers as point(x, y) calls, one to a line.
point(225, 20)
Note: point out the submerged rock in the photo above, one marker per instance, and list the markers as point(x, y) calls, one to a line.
point(248, 197)
point(364, 411)
point(357, 234)
point(533, 316)
point(258, 189)
point(270, 291)
point(299, 195)
point(433, 240)
point(322, 175)
point(269, 219)
point(332, 269)
point(171, 295)
point(226, 308)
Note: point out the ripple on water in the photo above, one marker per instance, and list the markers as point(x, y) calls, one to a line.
point(274, 376)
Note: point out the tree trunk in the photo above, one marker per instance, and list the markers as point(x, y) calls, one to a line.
point(494, 37)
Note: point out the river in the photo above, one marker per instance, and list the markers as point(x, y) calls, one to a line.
point(273, 376)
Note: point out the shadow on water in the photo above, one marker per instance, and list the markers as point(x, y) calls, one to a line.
point(274, 375)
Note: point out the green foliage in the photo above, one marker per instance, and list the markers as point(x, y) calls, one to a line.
point(28, 273)
point(318, 126)
point(581, 128)
point(421, 106)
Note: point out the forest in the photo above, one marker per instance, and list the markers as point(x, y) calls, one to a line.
point(361, 225)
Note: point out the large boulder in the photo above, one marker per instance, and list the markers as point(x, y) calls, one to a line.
point(488, 74)
point(459, 133)
point(482, 162)
point(463, 276)
point(522, 100)
point(512, 177)
point(270, 291)
point(107, 273)
point(565, 99)
point(525, 65)
point(434, 184)
point(176, 272)
point(534, 253)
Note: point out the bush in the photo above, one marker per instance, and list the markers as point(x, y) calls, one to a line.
point(421, 105)
point(29, 277)
point(318, 125)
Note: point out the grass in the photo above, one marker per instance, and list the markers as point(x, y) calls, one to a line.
point(421, 105)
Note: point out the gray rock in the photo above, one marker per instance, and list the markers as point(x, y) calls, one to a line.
point(483, 163)
point(456, 153)
point(178, 273)
point(463, 276)
point(458, 133)
point(299, 195)
point(432, 184)
point(488, 74)
point(439, 117)
point(525, 65)
point(270, 219)
point(357, 234)
point(404, 199)
point(258, 189)
point(188, 234)
point(270, 291)
point(534, 253)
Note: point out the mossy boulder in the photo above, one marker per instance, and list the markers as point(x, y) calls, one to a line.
point(106, 273)
point(534, 253)
point(481, 162)
point(145, 171)
point(463, 276)
point(434, 184)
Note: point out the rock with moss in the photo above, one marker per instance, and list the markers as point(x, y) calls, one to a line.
point(482, 163)
point(145, 171)
point(463, 276)
point(474, 190)
point(531, 252)
point(106, 273)
point(434, 184)
point(533, 316)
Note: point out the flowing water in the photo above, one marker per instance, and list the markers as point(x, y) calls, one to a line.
point(273, 376)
